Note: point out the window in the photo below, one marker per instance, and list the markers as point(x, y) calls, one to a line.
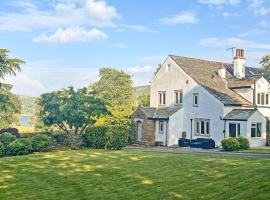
point(161, 127)
point(234, 129)
point(169, 67)
point(161, 98)
point(256, 130)
point(263, 98)
point(178, 96)
point(202, 126)
point(195, 99)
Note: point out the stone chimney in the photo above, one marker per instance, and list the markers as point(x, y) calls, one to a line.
point(222, 71)
point(239, 62)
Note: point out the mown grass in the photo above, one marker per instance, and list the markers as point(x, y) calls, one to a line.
point(258, 151)
point(98, 174)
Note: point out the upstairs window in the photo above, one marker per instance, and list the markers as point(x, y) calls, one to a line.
point(263, 98)
point(256, 130)
point(161, 98)
point(195, 99)
point(178, 97)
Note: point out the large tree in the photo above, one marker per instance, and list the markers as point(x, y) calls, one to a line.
point(115, 87)
point(9, 103)
point(71, 110)
point(265, 62)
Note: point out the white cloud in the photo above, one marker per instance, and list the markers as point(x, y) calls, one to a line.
point(233, 41)
point(184, 17)
point(100, 11)
point(121, 45)
point(219, 3)
point(252, 33)
point(72, 34)
point(263, 11)
point(64, 14)
point(255, 3)
point(263, 24)
point(140, 70)
point(135, 27)
point(228, 14)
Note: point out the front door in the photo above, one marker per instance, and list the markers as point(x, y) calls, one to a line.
point(139, 131)
point(234, 130)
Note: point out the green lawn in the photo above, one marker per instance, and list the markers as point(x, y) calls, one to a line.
point(94, 174)
point(263, 151)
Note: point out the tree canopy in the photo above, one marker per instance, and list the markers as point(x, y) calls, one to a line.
point(265, 62)
point(115, 88)
point(71, 110)
point(9, 103)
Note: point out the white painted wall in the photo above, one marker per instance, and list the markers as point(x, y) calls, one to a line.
point(175, 128)
point(257, 142)
point(158, 136)
point(247, 93)
point(209, 107)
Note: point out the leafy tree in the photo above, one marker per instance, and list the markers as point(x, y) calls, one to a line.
point(144, 100)
point(265, 62)
point(115, 87)
point(9, 103)
point(71, 110)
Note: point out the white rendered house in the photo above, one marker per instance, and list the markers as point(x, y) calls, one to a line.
point(196, 98)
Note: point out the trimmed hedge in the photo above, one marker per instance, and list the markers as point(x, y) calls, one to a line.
point(20, 146)
point(40, 142)
point(106, 137)
point(6, 139)
point(2, 149)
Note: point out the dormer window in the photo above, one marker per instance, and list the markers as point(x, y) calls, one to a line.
point(178, 97)
point(263, 99)
point(161, 98)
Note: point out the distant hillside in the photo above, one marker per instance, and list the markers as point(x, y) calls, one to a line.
point(140, 90)
point(28, 105)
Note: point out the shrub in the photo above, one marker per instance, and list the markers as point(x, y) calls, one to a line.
point(40, 142)
point(95, 137)
point(2, 149)
point(230, 144)
point(108, 137)
point(243, 143)
point(117, 137)
point(20, 146)
point(6, 139)
point(60, 138)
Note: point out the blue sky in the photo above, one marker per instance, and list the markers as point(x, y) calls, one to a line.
point(65, 42)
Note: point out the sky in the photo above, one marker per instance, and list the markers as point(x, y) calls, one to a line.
point(65, 42)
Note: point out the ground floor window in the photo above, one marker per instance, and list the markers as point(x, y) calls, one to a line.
point(161, 127)
point(202, 126)
point(234, 129)
point(256, 130)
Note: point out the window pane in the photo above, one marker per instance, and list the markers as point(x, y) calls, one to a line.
point(258, 98)
point(207, 128)
point(181, 97)
point(197, 127)
point(202, 127)
point(164, 98)
point(262, 99)
point(176, 97)
point(232, 130)
point(238, 130)
point(267, 99)
point(259, 127)
point(253, 130)
point(161, 126)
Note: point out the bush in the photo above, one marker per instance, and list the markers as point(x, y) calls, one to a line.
point(2, 149)
point(20, 146)
point(95, 137)
point(60, 138)
point(6, 139)
point(106, 137)
point(40, 142)
point(117, 137)
point(230, 144)
point(243, 143)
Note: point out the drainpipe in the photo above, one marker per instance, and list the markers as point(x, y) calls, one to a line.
point(167, 132)
point(224, 130)
point(191, 129)
point(254, 95)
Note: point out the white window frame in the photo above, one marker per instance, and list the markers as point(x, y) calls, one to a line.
point(199, 123)
point(195, 95)
point(238, 129)
point(256, 129)
point(178, 97)
point(161, 98)
point(263, 98)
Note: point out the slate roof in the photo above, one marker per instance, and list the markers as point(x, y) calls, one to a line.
point(240, 114)
point(159, 113)
point(243, 83)
point(205, 73)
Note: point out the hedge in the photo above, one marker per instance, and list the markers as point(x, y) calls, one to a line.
point(40, 142)
point(6, 139)
point(235, 144)
point(20, 146)
point(2, 149)
point(106, 137)
point(243, 143)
